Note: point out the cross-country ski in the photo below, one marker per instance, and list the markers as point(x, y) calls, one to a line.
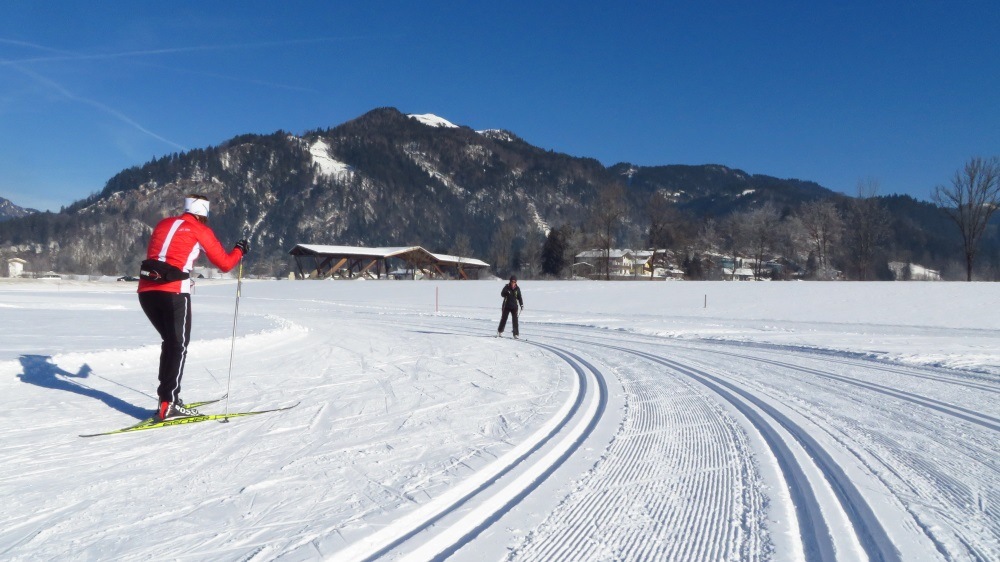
point(154, 423)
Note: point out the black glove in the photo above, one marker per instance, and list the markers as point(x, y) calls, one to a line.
point(522, 308)
point(243, 245)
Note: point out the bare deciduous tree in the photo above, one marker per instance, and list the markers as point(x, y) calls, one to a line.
point(461, 246)
point(663, 223)
point(531, 254)
point(606, 217)
point(868, 229)
point(733, 237)
point(794, 243)
point(708, 236)
point(971, 200)
point(761, 234)
point(823, 227)
point(501, 250)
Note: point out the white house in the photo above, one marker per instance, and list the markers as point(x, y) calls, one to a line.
point(741, 273)
point(905, 271)
point(617, 262)
point(15, 267)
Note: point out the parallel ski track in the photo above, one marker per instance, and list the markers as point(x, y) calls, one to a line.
point(677, 483)
point(909, 473)
point(664, 496)
point(815, 532)
point(971, 416)
point(584, 516)
point(913, 372)
point(575, 542)
point(912, 474)
point(868, 529)
point(471, 524)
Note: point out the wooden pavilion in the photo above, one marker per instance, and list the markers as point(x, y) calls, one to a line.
point(317, 261)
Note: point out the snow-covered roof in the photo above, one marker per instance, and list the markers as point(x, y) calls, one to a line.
point(458, 260)
point(356, 251)
point(382, 253)
point(613, 254)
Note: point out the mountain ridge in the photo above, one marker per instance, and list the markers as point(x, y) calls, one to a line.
point(8, 210)
point(383, 178)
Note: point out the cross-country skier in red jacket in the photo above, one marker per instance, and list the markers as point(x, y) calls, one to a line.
point(165, 291)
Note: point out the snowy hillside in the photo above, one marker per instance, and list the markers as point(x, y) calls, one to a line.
point(328, 166)
point(634, 421)
point(432, 120)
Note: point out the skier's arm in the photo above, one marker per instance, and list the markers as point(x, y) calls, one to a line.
point(215, 253)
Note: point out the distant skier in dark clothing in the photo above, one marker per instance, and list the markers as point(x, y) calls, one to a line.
point(511, 294)
point(165, 291)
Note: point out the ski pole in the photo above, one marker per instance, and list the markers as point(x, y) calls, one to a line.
point(232, 349)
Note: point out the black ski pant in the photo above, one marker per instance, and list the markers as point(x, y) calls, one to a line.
point(170, 314)
point(513, 318)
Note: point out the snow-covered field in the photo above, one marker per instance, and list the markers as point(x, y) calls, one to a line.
point(634, 421)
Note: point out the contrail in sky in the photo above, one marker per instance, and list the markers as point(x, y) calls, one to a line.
point(56, 55)
point(63, 55)
point(232, 78)
point(109, 110)
point(66, 55)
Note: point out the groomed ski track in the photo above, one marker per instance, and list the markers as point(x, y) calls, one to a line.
point(682, 478)
point(504, 483)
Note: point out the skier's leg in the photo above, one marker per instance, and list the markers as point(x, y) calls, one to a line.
point(177, 345)
point(513, 318)
point(156, 305)
point(170, 314)
point(503, 320)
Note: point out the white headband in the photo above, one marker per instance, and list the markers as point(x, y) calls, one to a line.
point(196, 206)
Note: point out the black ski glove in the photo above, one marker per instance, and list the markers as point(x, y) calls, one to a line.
point(243, 245)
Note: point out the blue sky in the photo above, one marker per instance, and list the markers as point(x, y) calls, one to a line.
point(833, 92)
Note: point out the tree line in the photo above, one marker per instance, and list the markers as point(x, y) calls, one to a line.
point(824, 239)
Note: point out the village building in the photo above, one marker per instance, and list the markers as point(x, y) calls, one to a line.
point(15, 267)
point(615, 263)
point(317, 261)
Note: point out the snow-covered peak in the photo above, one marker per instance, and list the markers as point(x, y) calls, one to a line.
point(432, 120)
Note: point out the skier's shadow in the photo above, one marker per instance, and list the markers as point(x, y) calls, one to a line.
point(39, 370)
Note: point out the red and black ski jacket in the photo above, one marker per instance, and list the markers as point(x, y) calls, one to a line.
point(178, 241)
